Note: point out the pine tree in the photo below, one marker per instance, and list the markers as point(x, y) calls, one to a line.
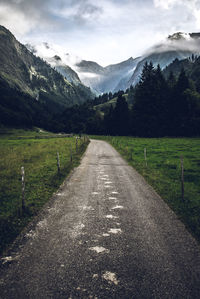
point(171, 80)
point(179, 108)
point(121, 117)
point(150, 103)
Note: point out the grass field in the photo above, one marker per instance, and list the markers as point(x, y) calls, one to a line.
point(163, 171)
point(39, 158)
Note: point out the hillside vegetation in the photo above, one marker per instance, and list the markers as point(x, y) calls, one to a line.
point(31, 91)
point(155, 107)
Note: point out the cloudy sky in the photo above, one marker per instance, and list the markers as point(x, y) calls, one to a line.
point(106, 31)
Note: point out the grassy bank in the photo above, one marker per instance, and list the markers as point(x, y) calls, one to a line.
point(163, 171)
point(39, 158)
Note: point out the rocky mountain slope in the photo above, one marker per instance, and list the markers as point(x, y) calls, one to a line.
point(29, 74)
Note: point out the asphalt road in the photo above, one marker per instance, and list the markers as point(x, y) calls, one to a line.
point(105, 234)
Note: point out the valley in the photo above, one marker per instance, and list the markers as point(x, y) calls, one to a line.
point(135, 98)
point(99, 149)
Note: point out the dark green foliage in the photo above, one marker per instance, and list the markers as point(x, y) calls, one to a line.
point(117, 121)
point(149, 106)
point(80, 119)
point(20, 110)
point(157, 107)
point(165, 108)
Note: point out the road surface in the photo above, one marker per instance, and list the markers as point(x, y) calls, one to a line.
point(105, 234)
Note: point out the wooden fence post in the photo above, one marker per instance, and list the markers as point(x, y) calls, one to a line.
point(145, 156)
point(182, 178)
point(58, 162)
point(23, 188)
point(70, 153)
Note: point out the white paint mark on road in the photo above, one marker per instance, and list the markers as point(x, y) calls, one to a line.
point(110, 277)
point(86, 208)
point(82, 290)
point(117, 207)
point(77, 230)
point(111, 217)
point(99, 249)
point(114, 198)
point(95, 193)
point(115, 231)
point(106, 235)
point(115, 192)
point(81, 225)
point(108, 182)
point(107, 186)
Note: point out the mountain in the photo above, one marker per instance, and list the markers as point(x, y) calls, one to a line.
point(124, 74)
point(106, 79)
point(22, 70)
point(178, 45)
point(191, 67)
point(57, 59)
point(99, 79)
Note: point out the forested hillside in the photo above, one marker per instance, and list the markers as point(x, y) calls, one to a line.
point(30, 89)
point(159, 105)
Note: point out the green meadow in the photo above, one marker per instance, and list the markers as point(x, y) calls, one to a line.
point(162, 170)
point(37, 153)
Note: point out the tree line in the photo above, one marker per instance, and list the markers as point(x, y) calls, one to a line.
point(155, 107)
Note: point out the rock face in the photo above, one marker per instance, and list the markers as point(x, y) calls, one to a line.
point(22, 70)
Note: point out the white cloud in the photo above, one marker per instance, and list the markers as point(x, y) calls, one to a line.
point(193, 7)
point(17, 21)
point(166, 4)
point(107, 31)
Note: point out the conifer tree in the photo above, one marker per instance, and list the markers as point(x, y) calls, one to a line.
point(121, 117)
